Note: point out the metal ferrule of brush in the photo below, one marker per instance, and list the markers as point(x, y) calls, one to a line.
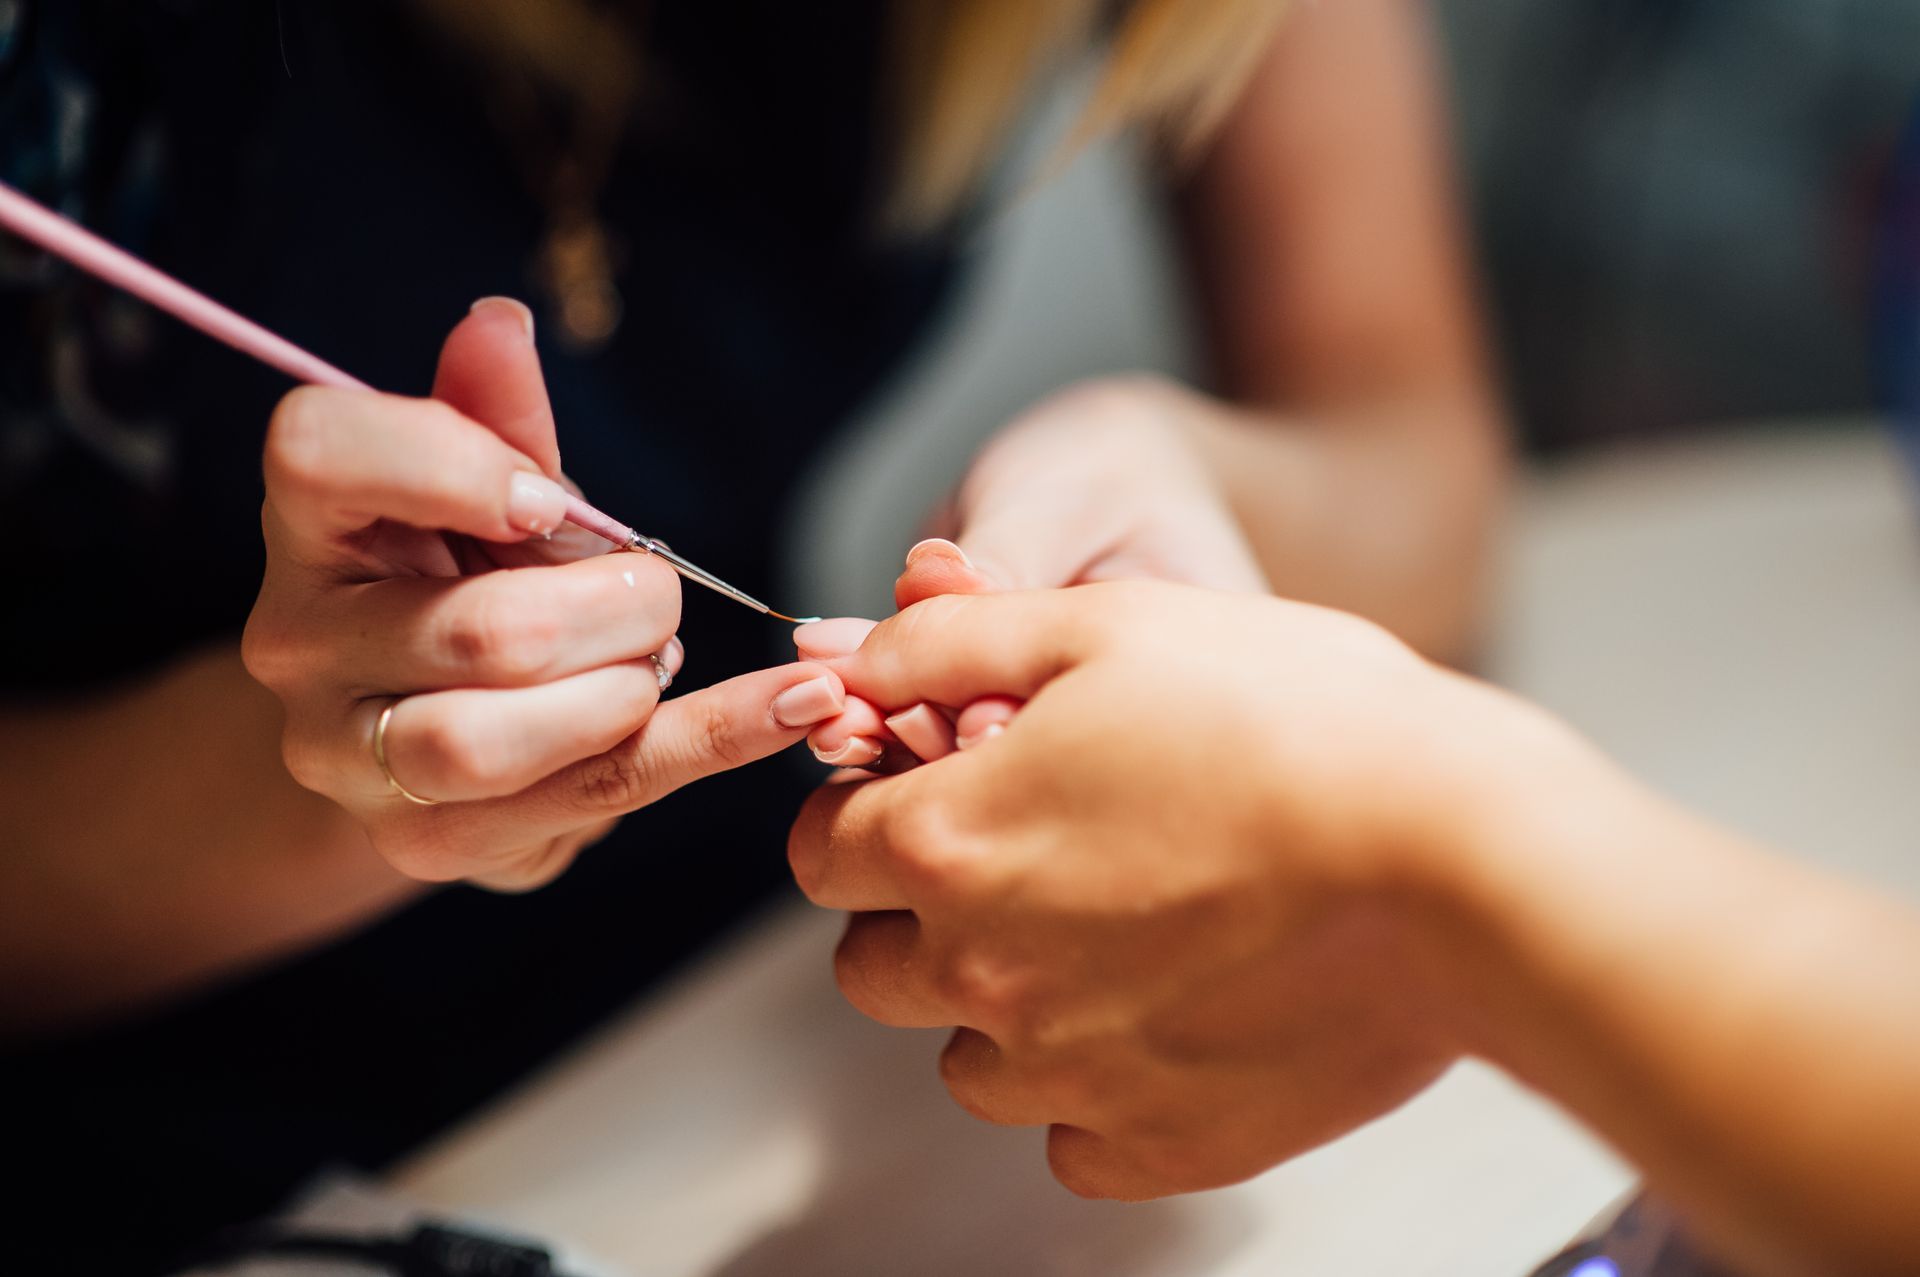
point(698, 575)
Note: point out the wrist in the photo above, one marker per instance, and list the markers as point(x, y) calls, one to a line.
point(1521, 865)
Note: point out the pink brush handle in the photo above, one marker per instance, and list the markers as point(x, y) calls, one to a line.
point(74, 243)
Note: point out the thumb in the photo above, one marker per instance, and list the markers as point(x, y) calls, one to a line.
point(1023, 539)
point(490, 371)
point(935, 567)
point(712, 730)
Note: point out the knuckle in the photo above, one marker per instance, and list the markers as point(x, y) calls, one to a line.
point(496, 633)
point(985, 988)
point(656, 588)
point(716, 739)
point(306, 759)
point(618, 780)
point(417, 848)
point(932, 852)
point(456, 755)
point(268, 651)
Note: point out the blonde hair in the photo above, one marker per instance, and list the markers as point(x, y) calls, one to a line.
point(963, 72)
point(1173, 69)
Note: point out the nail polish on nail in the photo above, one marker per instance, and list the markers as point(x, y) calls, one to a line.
point(985, 734)
point(805, 704)
point(840, 636)
point(674, 654)
point(519, 308)
point(924, 730)
point(940, 546)
point(859, 751)
point(535, 503)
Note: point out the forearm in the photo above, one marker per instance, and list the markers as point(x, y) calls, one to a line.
point(154, 841)
point(1744, 1029)
point(1386, 509)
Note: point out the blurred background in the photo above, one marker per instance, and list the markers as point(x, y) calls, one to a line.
point(1677, 204)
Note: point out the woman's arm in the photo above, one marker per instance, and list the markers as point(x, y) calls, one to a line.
point(1744, 1028)
point(1356, 454)
point(1361, 440)
point(155, 840)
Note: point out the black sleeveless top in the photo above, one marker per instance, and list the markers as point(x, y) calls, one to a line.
point(327, 167)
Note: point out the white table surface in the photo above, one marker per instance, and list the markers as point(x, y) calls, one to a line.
point(1737, 620)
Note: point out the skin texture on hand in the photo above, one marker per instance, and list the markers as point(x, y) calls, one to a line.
point(410, 566)
point(1099, 482)
point(1104, 986)
point(1241, 874)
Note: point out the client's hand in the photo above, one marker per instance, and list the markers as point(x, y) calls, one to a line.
point(1180, 904)
point(1100, 482)
point(408, 575)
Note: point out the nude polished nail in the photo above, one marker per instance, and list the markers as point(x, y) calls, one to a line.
point(825, 640)
point(805, 704)
point(859, 751)
point(535, 503)
point(518, 309)
point(924, 730)
point(939, 546)
point(981, 737)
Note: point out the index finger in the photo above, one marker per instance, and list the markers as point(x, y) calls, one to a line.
point(954, 649)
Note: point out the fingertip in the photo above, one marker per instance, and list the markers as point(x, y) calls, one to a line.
point(490, 370)
point(674, 656)
point(506, 309)
point(536, 505)
point(937, 567)
point(984, 719)
point(924, 730)
point(818, 697)
point(857, 718)
point(833, 638)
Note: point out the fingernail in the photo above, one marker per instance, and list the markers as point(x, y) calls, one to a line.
point(535, 503)
point(859, 751)
point(940, 546)
point(805, 704)
point(841, 636)
point(519, 308)
point(674, 654)
point(924, 730)
point(984, 735)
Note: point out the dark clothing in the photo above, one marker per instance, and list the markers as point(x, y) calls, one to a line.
point(329, 168)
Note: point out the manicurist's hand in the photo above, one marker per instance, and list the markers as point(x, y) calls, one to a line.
point(1174, 905)
point(475, 682)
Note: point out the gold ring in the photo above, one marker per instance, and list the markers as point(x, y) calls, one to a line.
point(380, 756)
